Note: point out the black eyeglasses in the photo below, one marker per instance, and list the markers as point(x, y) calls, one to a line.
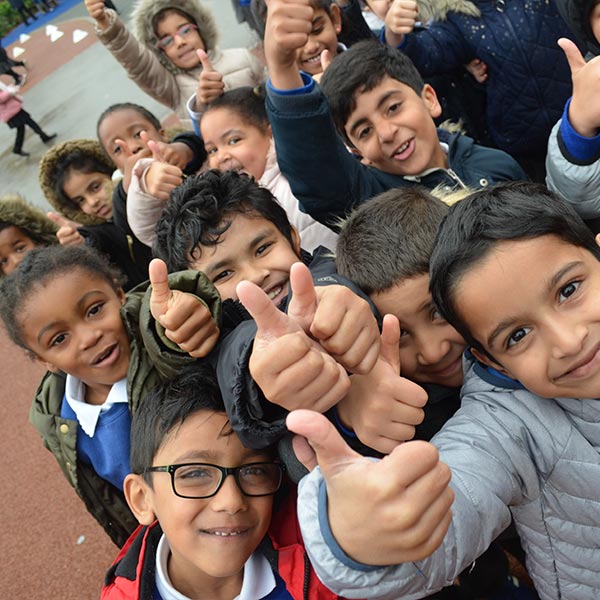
point(202, 480)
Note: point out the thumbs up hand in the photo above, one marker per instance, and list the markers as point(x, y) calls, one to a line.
point(584, 110)
point(210, 83)
point(161, 178)
point(186, 319)
point(382, 408)
point(381, 513)
point(67, 233)
point(400, 20)
point(291, 369)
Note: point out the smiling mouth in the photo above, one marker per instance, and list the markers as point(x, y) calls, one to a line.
point(226, 532)
point(583, 368)
point(275, 292)
point(105, 355)
point(312, 60)
point(401, 149)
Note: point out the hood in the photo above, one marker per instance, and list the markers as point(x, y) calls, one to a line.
point(141, 24)
point(576, 14)
point(439, 9)
point(15, 211)
point(48, 176)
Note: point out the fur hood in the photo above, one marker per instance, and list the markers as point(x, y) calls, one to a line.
point(48, 176)
point(32, 221)
point(576, 14)
point(141, 24)
point(438, 9)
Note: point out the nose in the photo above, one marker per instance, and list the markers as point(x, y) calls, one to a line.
point(88, 336)
point(256, 274)
point(566, 338)
point(430, 348)
point(229, 498)
point(385, 130)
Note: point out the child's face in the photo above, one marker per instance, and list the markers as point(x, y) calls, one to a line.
point(379, 7)
point(210, 538)
point(325, 29)
point(179, 39)
point(14, 244)
point(91, 192)
point(233, 144)
point(252, 249)
point(534, 306)
point(73, 324)
point(595, 21)
point(430, 348)
point(126, 125)
point(392, 128)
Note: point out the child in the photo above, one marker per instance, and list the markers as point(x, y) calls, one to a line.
point(103, 351)
point(75, 177)
point(161, 54)
point(528, 78)
point(13, 114)
point(383, 110)
point(525, 441)
point(200, 530)
point(572, 161)
point(237, 136)
point(22, 228)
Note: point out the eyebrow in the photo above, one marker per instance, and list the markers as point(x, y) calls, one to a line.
point(210, 455)
point(225, 135)
point(78, 305)
point(380, 103)
point(259, 237)
point(552, 283)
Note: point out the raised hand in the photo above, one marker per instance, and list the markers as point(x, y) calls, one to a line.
point(382, 408)
point(291, 369)
point(67, 233)
point(210, 83)
point(127, 159)
point(584, 110)
point(186, 319)
point(161, 178)
point(335, 316)
point(400, 20)
point(177, 154)
point(381, 513)
point(97, 11)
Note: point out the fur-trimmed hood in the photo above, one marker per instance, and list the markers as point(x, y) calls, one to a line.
point(439, 9)
point(48, 176)
point(141, 24)
point(576, 14)
point(32, 221)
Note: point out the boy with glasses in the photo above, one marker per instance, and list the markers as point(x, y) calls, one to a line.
point(202, 531)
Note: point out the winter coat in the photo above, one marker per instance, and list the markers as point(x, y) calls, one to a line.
point(132, 576)
point(573, 161)
point(152, 359)
point(155, 74)
point(32, 221)
point(10, 103)
point(308, 147)
point(528, 76)
point(511, 453)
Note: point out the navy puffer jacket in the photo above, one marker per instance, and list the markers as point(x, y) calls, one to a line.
point(529, 79)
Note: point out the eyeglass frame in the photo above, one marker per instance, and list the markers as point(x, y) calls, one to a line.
point(192, 26)
point(225, 472)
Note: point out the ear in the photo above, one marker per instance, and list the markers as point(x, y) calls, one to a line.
point(139, 497)
point(121, 296)
point(486, 360)
point(597, 238)
point(336, 17)
point(296, 242)
point(431, 101)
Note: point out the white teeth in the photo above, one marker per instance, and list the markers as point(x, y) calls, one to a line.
point(402, 148)
point(223, 534)
point(275, 292)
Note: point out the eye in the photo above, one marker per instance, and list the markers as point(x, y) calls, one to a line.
point(57, 340)
point(364, 133)
point(392, 108)
point(185, 29)
point(222, 275)
point(435, 315)
point(317, 30)
point(234, 140)
point(21, 249)
point(263, 248)
point(116, 150)
point(165, 42)
point(517, 336)
point(96, 185)
point(568, 290)
point(3, 262)
point(210, 151)
point(95, 309)
point(194, 472)
point(404, 333)
point(138, 134)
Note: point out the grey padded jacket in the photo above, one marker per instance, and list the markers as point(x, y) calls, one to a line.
point(510, 452)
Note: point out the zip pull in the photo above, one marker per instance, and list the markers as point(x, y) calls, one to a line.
point(500, 5)
point(456, 178)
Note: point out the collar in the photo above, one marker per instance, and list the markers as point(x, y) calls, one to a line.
point(420, 176)
point(258, 581)
point(88, 414)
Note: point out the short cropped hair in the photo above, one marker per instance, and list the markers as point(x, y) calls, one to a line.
point(40, 265)
point(360, 69)
point(389, 238)
point(167, 407)
point(477, 224)
point(196, 214)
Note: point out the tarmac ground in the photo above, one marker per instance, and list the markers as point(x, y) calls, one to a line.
point(51, 547)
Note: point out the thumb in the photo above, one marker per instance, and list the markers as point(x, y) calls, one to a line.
point(270, 321)
point(157, 154)
point(161, 293)
point(204, 60)
point(326, 59)
point(303, 303)
point(58, 219)
point(574, 57)
point(330, 450)
point(389, 350)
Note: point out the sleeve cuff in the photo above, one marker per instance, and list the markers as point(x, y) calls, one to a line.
point(337, 422)
point(309, 84)
point(194, 116)
point(583, 149)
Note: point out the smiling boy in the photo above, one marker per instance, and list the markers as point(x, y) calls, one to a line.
point(378, 103)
